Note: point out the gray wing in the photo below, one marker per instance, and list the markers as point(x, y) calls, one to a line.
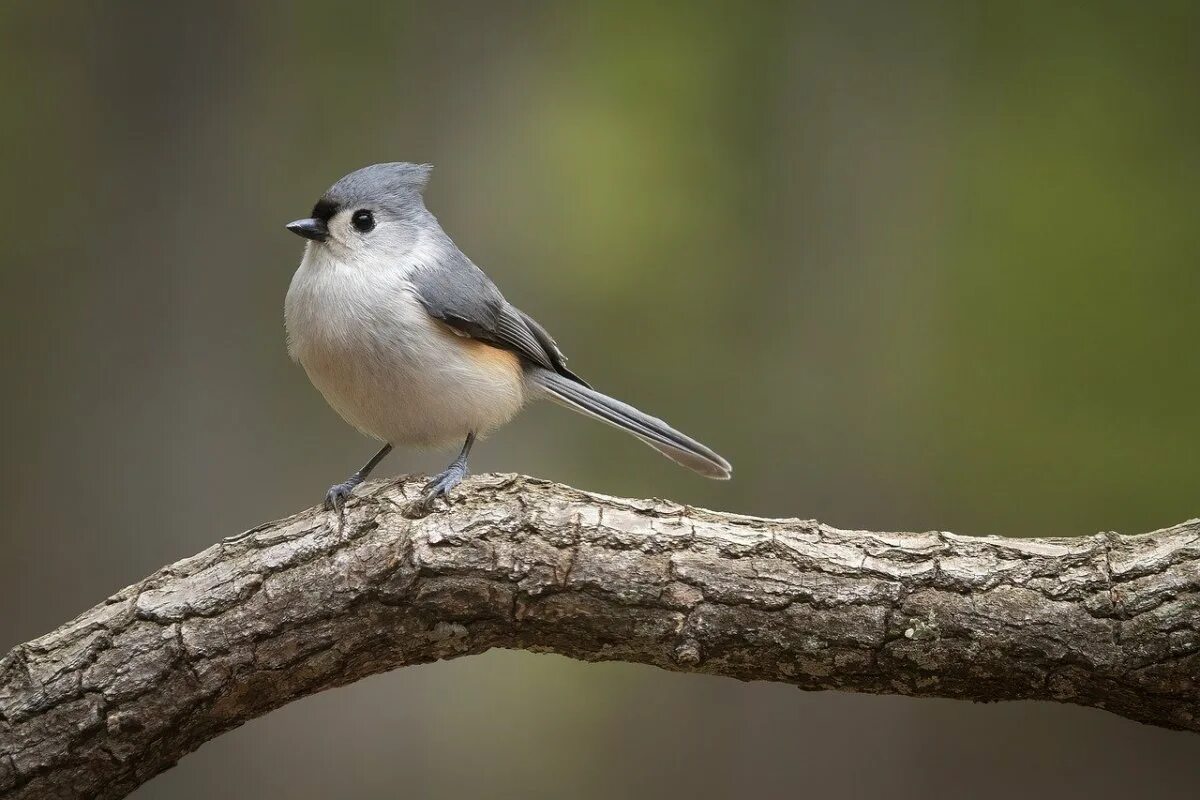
point(457, 293)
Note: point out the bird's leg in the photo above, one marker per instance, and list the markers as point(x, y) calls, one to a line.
point(450, 477)
point(338, 493)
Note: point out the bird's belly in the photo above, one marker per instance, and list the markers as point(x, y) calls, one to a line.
point(412, 382)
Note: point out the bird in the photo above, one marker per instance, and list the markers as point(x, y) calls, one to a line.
point(412, 344)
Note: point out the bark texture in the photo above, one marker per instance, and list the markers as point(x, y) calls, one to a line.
point(294, 607)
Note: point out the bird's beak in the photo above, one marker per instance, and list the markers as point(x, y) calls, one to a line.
point(312, 228)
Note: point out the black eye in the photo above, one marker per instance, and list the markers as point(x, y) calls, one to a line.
point(363, 220)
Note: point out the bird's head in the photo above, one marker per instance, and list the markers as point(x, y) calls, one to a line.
point(372, 212)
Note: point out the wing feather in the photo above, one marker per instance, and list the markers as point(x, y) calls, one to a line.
point(457, 293)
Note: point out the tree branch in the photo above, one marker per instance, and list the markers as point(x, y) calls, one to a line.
point(294, 607)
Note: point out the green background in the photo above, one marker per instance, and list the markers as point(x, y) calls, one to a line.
point(908, 266)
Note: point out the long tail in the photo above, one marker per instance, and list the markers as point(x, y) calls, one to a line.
point(662, 437)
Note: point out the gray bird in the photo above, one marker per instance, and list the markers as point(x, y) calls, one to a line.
point(413, 345)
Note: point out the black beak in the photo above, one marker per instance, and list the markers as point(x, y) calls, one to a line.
point(310, 229)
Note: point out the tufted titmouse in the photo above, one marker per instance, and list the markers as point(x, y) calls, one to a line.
point(413, 345)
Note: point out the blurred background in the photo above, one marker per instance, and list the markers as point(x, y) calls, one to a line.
point(914, 268)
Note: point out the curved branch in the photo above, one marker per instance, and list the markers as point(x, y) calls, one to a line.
point(297, 606)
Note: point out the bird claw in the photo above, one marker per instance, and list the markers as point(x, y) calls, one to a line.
point(442, 483)
point(337, 495)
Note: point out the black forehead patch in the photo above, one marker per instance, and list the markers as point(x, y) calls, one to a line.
point(324, 209)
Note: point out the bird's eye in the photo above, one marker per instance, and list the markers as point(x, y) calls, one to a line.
point(362, 220)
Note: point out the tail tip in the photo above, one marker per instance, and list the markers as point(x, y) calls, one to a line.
point(720, 470)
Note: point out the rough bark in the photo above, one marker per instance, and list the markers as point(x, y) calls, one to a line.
point(297, 606)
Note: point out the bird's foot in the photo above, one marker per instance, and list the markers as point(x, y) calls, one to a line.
point(337, 495)
point(442, 483)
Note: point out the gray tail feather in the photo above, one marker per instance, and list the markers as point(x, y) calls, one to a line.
point(662, 437)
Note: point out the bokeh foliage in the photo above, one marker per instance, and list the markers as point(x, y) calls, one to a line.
point(909, 266)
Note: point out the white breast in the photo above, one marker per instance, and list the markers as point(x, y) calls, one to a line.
point(385, 365)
